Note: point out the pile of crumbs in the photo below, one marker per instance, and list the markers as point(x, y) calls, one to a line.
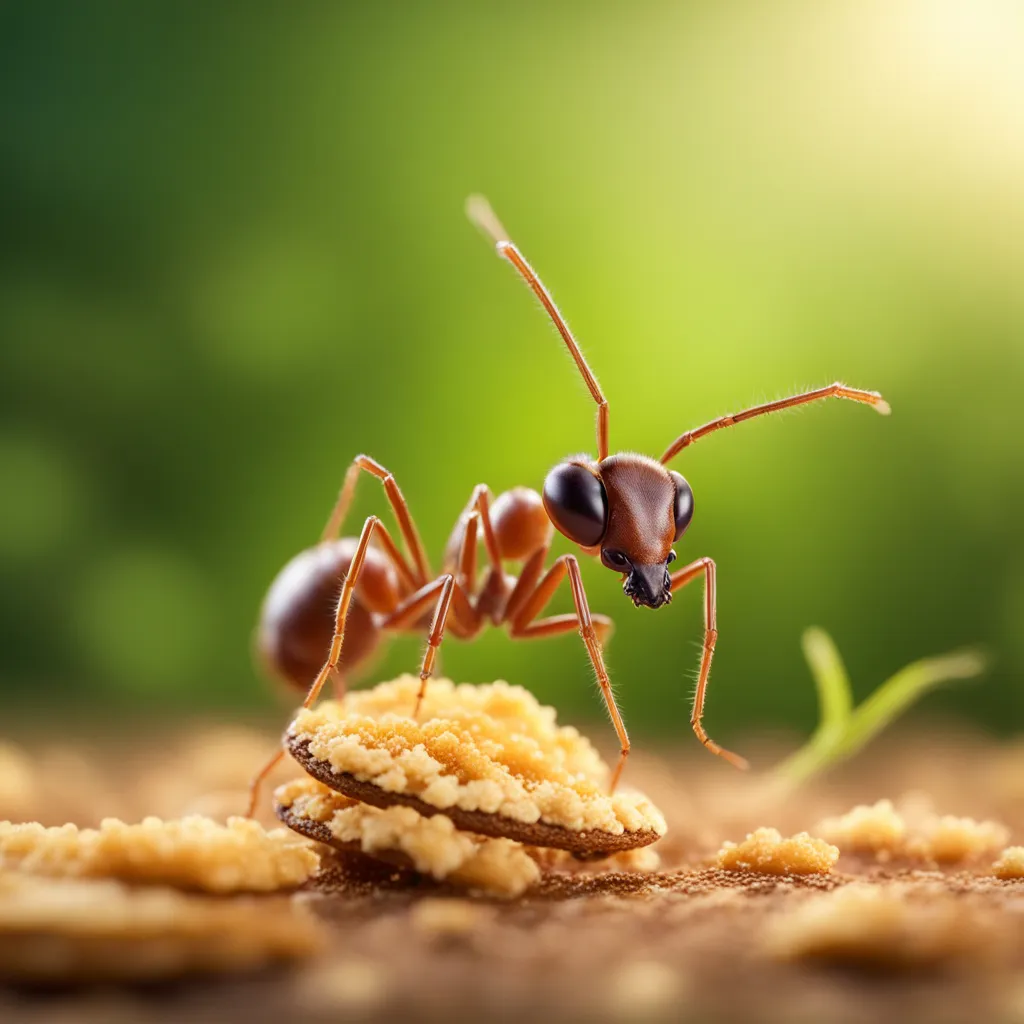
point(432, 845)
point(193, 853)
point(490, 748)
point(881, 830)
point(765, 851)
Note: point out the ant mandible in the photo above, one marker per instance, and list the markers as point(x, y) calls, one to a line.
point(627, 509)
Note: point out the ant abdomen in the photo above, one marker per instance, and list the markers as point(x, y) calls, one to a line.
point(298, 615)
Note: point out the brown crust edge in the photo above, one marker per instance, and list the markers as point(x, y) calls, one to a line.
point(589, 843)
point(321, 833)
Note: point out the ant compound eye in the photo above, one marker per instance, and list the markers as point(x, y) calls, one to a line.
point(683, 503)
point(671, 558)
point(576, 503)
point(614, 559)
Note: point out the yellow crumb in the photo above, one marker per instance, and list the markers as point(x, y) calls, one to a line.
point(767, 852)
point(434, 845)
point(490, 748)
point(645, 990)
point(917, 835)
point(948, 840)
point(1010, 863)
point(338, 987)
point(878, 926)
point(72, 929)
point(878, 829)
point(193, 853)
point(446, 918)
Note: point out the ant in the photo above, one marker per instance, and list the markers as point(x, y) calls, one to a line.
point(627, 509)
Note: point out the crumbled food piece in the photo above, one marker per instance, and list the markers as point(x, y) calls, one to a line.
point(949, 840)
point(880, 926)
point(491, 748)
point(340, 985)
point(432, 845)
point(645, 989)
point(767, 852)
point(1010, 863)
point(878, 829)
point(449, 918)
point(918, 835)
point(64, 930)
point(193, 853)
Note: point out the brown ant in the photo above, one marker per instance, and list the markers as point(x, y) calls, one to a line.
point(627, 509)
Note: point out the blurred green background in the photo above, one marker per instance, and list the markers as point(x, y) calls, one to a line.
point(233, 255)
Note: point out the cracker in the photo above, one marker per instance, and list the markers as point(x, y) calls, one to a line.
point(72, 930)
point(400, 836)
point(489, 757)
point(192, 853)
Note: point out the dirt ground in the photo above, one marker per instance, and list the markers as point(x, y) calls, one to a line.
point(935, 942)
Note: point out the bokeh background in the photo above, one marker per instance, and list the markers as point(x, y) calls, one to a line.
point(233, 255)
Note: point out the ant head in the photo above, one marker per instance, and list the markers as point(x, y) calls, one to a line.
point(631, 510)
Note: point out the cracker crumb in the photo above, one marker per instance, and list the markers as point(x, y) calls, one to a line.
point(644, 988)
point(448, 918)
point(62, 930)
point(433, 845)
point(490, 748)
point(191, 853)
point(342, 985)
point(950, 840)
point(877, 828)
point(765, 851)
point(1010, 863)
point(879, 926)
point(919, 834)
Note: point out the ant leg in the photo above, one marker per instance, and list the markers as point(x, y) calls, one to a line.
point(475, 517)
point(411, 610)
point(705, 567)
point(529, 577)
point(363, 463)
point(444, 603)
point(480, 213)
point(556, 625)
point(334, 656)
point(836, 390)
point(523, 625)
point(257, 782)
point(481, 503)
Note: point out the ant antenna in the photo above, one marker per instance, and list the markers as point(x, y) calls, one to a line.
point(480, 213)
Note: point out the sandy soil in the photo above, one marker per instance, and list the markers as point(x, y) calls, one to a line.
point(877, 939)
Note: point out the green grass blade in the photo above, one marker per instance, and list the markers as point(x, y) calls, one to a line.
point(835, 701)
point(900, 691)
point(842, 731)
